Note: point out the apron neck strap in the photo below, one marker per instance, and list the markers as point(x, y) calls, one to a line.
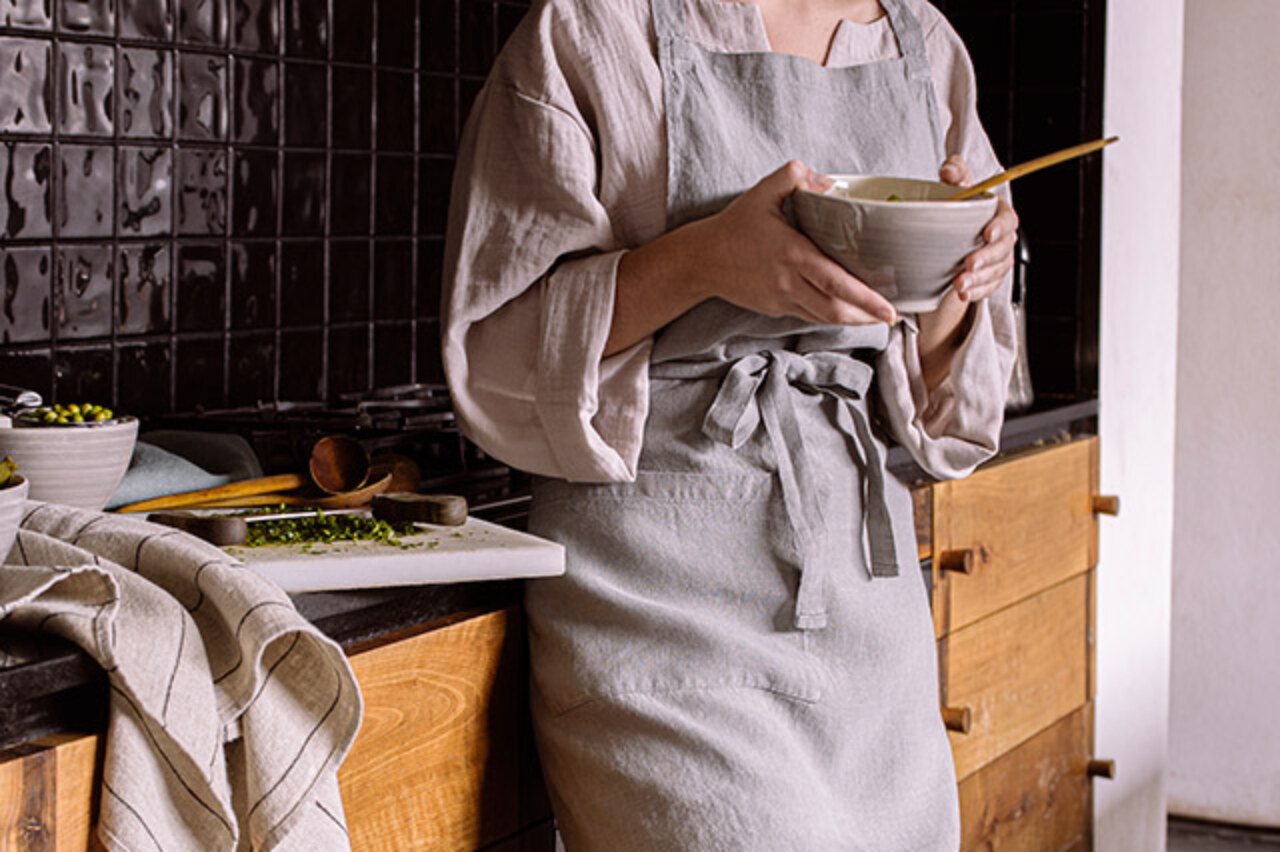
point(668, 18)
point(906, 28)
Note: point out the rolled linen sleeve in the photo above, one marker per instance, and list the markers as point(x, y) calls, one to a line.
point(530, 268)
point(955, 427)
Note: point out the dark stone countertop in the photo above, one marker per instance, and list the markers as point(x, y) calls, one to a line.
point(62, 689)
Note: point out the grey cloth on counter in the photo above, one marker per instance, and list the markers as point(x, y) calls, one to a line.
point(171, 461)
point(229, 713)
point(154, 472)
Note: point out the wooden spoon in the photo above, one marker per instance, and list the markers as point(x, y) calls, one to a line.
point(345, 500)
point(1033, 166)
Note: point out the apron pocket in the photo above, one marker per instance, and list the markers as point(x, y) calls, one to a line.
point(678, 581)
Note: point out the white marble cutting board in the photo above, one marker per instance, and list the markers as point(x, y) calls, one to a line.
point(477, 550)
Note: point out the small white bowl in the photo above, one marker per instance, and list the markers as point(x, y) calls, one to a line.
point(12, 500)
point(74, 465)
point(908, 250)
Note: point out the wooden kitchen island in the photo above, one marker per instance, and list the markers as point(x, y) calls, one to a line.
point(445, 759)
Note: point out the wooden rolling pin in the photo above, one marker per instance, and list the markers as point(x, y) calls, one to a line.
point(230, 491)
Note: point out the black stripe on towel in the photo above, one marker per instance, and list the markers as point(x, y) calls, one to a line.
point(177, 662)
point(267, 677)
point(146, 729)
point(29, 515)
point(195, 579)
point(336, 821)
point(137, 554)
point(337, 696)
point(75, 539)
point(250, 611)
point(142, 822)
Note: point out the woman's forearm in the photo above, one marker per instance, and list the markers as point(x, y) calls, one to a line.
point(654, 286)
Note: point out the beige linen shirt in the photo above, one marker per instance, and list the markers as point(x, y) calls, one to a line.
point(562, 168)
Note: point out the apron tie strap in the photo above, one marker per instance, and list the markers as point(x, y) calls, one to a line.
point(759, 389)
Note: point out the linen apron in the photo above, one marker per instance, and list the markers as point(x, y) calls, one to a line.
point(740, 654)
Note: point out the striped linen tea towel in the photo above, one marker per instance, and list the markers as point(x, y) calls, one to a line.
point(229, 712)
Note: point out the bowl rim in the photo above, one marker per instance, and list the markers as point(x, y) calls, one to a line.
point(20, 480)
point(981, 200)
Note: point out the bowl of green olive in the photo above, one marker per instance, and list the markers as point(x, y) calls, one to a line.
point(74, 454)
point(13, 494)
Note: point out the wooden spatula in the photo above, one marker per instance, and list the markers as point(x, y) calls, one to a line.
point(1034, 166)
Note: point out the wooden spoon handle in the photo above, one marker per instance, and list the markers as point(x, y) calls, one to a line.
point(233, 490)
point(1034, 166)
point(346, 500)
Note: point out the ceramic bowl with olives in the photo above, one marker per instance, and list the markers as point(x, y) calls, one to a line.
point(75, 453)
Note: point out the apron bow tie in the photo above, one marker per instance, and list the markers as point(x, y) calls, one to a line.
point(760, 388)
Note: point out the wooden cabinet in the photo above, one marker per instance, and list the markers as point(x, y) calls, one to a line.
point(1014, 549)
point(444, 759)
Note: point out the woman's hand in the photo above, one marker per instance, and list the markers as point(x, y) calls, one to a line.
point(755, 259)
point(942, 329)
point(986, 267)
point(747, 254)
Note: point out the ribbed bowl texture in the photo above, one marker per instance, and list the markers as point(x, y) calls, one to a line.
point(75, 465)
point(908, 250)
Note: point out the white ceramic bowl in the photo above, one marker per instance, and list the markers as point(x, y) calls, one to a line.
point(11, 502)
point(74, 465)
point(908, 250)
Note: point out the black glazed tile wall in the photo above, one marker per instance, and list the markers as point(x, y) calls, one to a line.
point(1039, 68)
point(217, 202)
point(221, 202)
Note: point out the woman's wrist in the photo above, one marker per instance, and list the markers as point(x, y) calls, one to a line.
point(941, 331)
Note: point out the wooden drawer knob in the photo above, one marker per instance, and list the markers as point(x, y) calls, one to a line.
point(1106, 504)
point(1102, 769)
point(959, 561)
point(958, 719)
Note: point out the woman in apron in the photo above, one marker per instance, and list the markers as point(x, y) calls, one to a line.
point(740, 655)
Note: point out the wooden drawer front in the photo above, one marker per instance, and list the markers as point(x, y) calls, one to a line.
point(1017, 672)
point(444, 751)
point(1028, 523)
point(1036, 797)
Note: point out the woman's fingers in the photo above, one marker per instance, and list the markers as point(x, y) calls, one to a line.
point(851, 301)
point(779, 184)
point(986, 267)
point(955, 171)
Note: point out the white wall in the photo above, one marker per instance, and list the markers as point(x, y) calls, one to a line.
point(1224, 739)
point(1139, 317)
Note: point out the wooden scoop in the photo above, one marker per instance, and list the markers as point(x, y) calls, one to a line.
point(1033, 166)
